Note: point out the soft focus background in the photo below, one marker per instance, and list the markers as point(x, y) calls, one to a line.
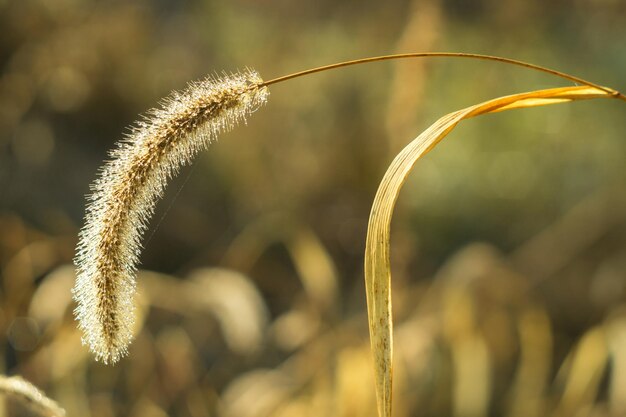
point(509, 240)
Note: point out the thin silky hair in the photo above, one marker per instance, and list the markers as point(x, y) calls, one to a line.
point(22, 390)
point(124, 195)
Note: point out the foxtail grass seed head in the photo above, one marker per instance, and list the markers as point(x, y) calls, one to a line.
point(124, 195)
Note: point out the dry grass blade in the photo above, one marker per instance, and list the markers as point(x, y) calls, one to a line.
point(582, 372)
point(27, 393)
point(377, 265)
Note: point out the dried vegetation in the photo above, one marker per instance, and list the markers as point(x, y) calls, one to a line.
point(261, 311)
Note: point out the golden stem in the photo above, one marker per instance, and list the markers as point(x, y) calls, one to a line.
point(569, 77)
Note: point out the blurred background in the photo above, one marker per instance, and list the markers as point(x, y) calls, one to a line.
point(508, 242)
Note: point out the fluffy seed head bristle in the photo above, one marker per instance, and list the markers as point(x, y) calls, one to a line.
point(126, 191)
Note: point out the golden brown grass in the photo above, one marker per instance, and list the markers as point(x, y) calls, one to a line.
point(129, 185)
point(377, 263)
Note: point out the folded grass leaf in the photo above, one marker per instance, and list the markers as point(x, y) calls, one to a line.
point(377, 263)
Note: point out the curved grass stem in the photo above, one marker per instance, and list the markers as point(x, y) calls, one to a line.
point(613, 93)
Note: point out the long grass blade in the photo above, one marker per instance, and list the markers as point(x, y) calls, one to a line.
point(377, 264)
